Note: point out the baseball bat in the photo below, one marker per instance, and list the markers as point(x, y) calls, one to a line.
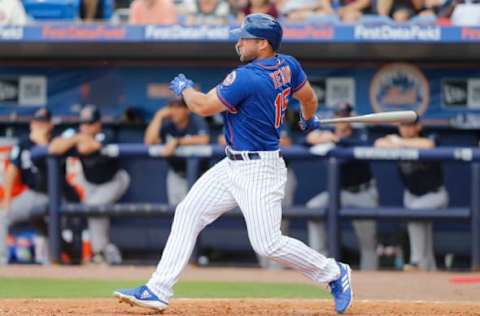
point(376, 118)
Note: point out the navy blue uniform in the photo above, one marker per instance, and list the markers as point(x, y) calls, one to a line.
point(33, 172)
point(421, 177)
point(354, 173)
point(195, 126)
point(97, 168)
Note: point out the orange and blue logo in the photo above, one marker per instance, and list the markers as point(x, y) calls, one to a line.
point(399, 86)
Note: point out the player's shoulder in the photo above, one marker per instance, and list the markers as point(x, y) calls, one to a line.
point(24, 143)
point(240, 75)
point(286, 57)
point(292, 61)
point(244, 69)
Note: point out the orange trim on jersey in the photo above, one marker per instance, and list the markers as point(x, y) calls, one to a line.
point(300, 86)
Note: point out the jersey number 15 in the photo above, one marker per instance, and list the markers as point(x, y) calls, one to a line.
point(281, 103)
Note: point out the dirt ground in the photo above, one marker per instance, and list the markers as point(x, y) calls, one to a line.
point(376, 293)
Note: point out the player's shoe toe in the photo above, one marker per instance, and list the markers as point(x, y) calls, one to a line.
point(141, 296)
point(341, 289)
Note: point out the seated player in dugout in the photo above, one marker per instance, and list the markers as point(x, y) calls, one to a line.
point(358, 189)
point(424, 189)
point(30, 203)
point(101, 180)
point(174, 125)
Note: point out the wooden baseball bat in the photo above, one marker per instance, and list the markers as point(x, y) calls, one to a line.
point(376, 118)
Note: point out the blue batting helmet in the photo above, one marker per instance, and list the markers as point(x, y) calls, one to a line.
point(261, 26)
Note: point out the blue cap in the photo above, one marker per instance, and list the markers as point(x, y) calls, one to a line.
point(42, 115)
point(261, 26)
point(90, 114)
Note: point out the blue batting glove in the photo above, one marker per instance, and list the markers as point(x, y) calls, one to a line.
point(308, 125)
point(180, 83)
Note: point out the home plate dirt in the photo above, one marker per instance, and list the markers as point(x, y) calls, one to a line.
point(220, 307)
point(376, 293)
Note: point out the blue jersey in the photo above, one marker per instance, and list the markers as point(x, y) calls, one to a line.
point(256, 96)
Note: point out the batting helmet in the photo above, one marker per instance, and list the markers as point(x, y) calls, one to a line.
point(261, 26)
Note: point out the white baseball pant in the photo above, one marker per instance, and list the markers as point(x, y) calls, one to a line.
point(365, 230)
point(420, 233)
point(257, 187)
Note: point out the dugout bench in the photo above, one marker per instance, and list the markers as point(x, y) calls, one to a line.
point(333, 214)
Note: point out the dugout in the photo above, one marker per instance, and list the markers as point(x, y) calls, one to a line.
point(65, 66)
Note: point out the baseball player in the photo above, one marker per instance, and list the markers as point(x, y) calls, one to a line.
point(358, 189)
point(252, 100)
point(33, 173)
point(424, 188)
point(174, 125)
point(102, 180)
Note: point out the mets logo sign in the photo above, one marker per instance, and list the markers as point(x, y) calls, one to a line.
point(399, 86)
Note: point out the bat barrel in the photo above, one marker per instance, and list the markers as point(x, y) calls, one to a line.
point(376, 118)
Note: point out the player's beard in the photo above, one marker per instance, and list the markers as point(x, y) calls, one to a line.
point(243, 58)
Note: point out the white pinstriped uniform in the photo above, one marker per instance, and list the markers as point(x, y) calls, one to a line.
point(257, 187)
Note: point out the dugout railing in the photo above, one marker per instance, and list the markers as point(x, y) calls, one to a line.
point(333, 214)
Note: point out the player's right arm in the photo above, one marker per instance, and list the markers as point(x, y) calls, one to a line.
point(65, 142)
point(152, 134)
point(320, 137)
point(395, 141)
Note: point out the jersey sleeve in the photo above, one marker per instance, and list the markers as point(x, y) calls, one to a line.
point(299, 78)
point(234, 88)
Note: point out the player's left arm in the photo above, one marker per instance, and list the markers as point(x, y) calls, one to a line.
point(395, 141)
point(308, 101)
point(194, 140)
point(87, 145)
point(200, 134)
point(417, 142)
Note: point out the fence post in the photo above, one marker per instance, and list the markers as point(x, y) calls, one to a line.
point(54, 196)
point(192, 170)
point(333, 227)
point(475, 215)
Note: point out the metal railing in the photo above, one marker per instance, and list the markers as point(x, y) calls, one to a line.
point(334, 213)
